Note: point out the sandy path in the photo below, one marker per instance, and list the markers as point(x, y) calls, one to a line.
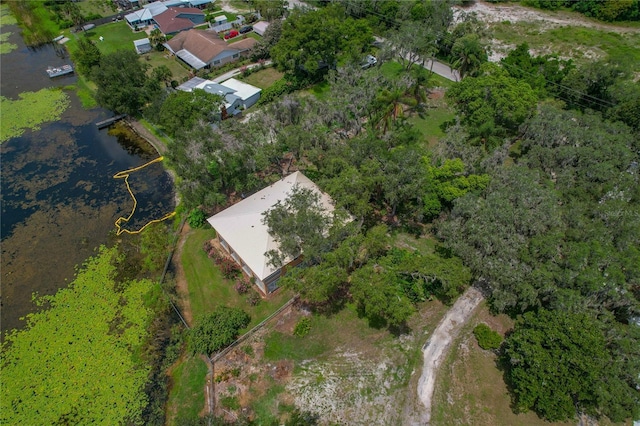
point(492, 13)
point(437, 347)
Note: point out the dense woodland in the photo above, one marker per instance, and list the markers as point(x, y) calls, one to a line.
point(532, 194)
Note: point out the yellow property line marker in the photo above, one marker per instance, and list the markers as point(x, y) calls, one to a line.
point(119, 222)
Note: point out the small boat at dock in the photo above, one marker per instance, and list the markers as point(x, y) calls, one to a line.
point(58, 71)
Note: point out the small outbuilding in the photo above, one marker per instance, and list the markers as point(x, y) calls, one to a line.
point(142, 46)
point(260, 27)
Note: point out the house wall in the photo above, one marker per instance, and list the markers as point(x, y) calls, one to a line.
point(252, 100)
point(224, 58)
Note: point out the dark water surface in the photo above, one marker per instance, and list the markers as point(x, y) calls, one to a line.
point(58, 196)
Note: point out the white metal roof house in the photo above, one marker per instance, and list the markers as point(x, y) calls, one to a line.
point(241, 232)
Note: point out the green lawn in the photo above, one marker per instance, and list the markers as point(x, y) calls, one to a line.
point(100, 7)
point(186, 397)
point(179, 72)
point(209, 289)
point(116, 36)
point(263, 78)
point(241, 5)
point(429, 123)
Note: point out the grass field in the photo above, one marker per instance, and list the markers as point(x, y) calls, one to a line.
point(100, 7)
point(263, 78)
point(179, 72)
point(579, 43)
point(116, 36)
point(186, 397)
point(209, 289)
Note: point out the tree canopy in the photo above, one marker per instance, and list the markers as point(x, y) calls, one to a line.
point(181, 110)
point(313, 41)
point(560, 362)
point(123, 86)
point(216, 330)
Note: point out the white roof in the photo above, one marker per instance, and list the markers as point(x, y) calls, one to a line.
point(243, 90)
point(190, 58)
point(220, 18)
point(141, 42)
point(241, 224)
point(260, 27)
point(139, 15)
point(156, 8)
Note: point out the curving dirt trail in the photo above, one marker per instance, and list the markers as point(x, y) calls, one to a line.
point(437, 347)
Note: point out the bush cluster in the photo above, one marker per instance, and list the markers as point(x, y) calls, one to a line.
point(488, 339)
point(303, 327)
point(242, 286)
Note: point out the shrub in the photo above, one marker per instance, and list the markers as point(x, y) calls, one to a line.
point(196, 218)
point(228, 267)
point(487, 338)
point(254, 298)
point(230, 402)
point(217, 330)
point(207, 246)
point(303, 327)
point(242, 286)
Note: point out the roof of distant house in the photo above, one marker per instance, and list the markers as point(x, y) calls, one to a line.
point(243, 90)
point(241, 224)
point(198, 48)
point(244, 44)
point(139, 15)
point(171, 21)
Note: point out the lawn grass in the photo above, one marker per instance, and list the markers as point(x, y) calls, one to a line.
point(263, 78)
point(116, 36)
point(208, 289)
point(267, 406)
point(429, 123)
point(179, 72)
point(186, 397)
point(320, 90)
point(391, 70)
point(100, 7)
point(241, 5)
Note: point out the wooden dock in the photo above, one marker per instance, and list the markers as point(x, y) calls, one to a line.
point(109, 121)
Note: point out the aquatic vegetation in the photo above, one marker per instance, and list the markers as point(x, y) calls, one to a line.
point(30, 111)
point(6, 47)
point(6, 18)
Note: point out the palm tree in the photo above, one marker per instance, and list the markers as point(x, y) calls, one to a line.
point(469, 54)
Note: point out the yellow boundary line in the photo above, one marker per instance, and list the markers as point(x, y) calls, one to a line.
point(125, 174)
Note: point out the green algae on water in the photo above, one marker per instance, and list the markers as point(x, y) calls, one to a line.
point(30, 111)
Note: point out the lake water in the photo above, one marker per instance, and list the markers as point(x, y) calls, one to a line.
point(58, 196)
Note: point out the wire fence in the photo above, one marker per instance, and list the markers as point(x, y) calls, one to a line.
point(251, 332)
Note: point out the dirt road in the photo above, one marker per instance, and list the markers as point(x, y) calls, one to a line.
point(437, 347)
point(492, 13)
